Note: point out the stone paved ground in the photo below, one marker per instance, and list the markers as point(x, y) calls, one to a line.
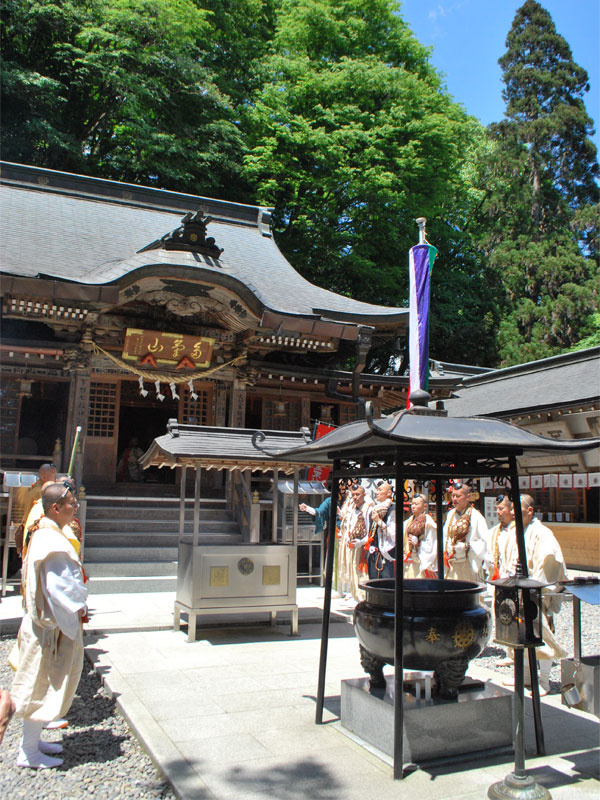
point(102, 759)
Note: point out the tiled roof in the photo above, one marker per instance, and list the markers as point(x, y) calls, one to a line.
point(563, 380)
point(413, 435)
point(87, 230)
point(221, 448)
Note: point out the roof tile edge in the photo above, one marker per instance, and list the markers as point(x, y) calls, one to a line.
point(91, 188)
point(533, 366)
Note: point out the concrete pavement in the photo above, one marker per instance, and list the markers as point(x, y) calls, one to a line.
point(232, 715)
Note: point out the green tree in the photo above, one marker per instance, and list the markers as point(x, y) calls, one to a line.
point(352, 138)
point(536, 223)
point(118, 90)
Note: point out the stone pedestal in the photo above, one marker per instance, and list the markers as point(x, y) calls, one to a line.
point(480, 719)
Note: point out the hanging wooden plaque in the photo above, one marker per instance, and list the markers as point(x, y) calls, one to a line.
point(167, 348)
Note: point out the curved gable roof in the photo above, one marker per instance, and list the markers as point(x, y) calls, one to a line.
point(88, 231)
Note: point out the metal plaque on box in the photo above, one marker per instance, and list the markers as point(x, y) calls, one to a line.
point(271, 575)
point(219, 576)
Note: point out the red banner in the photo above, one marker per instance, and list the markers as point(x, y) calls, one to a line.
point(319, 473)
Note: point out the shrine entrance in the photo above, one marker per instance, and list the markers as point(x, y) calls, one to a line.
point(118, 412)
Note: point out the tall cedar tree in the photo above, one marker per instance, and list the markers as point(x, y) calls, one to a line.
point(539, 227)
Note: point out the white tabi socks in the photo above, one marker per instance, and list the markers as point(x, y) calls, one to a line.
point(30, 751)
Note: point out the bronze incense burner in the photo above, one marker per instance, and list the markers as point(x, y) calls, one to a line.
point(444, 626)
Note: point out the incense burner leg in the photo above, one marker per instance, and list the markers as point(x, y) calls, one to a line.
point(374, 666)
point(449, 675)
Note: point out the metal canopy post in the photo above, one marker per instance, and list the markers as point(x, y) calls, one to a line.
point(182, 502)
point(576, 629)
point(533, 674)
point(197, 506)
point(398, 638)
point(439, 520)
point(295, 506)
point(275, 509)
point(327, 598)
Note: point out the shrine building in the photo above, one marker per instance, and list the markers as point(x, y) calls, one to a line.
point(124, 306)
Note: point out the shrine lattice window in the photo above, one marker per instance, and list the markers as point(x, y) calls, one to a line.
point(200, 411)
point(102, 413)
point(289, 420)
point(9, 404)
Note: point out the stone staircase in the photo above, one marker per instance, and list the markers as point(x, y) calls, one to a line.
point(131, 541)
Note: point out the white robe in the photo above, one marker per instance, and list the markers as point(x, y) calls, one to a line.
point(426, 556)
point(386, 531)
point(349, 558)
point(545, 563)
point(470, 568)
point(499, 537)
point(50, 637)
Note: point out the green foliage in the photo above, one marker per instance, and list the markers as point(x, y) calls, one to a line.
point(117, 90)
point(537, 221)
point(352, 138)
point(331, 112)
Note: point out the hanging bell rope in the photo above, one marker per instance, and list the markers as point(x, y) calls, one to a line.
point(165, 377)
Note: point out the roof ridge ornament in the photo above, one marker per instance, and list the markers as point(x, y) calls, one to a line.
point(189, 236)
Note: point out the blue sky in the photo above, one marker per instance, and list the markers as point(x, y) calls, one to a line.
point(468, 37)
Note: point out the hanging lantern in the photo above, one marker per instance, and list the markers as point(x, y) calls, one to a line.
point(279, 406)
point(513, 597)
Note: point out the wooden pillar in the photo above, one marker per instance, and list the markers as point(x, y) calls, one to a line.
point(237, 410)
point(220, 404)
point(79, 401)
point(305, 411)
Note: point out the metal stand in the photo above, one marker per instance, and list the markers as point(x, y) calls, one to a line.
point(518, 785)
point(398, 637)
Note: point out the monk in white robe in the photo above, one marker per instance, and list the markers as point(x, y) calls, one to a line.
point(352, 538)
point(420, 541)
point(545, 563)
point(50, 637)
point(465, 538)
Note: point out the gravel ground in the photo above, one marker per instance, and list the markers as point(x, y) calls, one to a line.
point(102, 758)
point(590, 641)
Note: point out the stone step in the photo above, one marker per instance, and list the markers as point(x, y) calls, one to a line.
point(126, 585)
point(136, 526)
point(110, 555)
point(153, 498)
point(109, 511)
point(158, 539)
point(132, 569)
